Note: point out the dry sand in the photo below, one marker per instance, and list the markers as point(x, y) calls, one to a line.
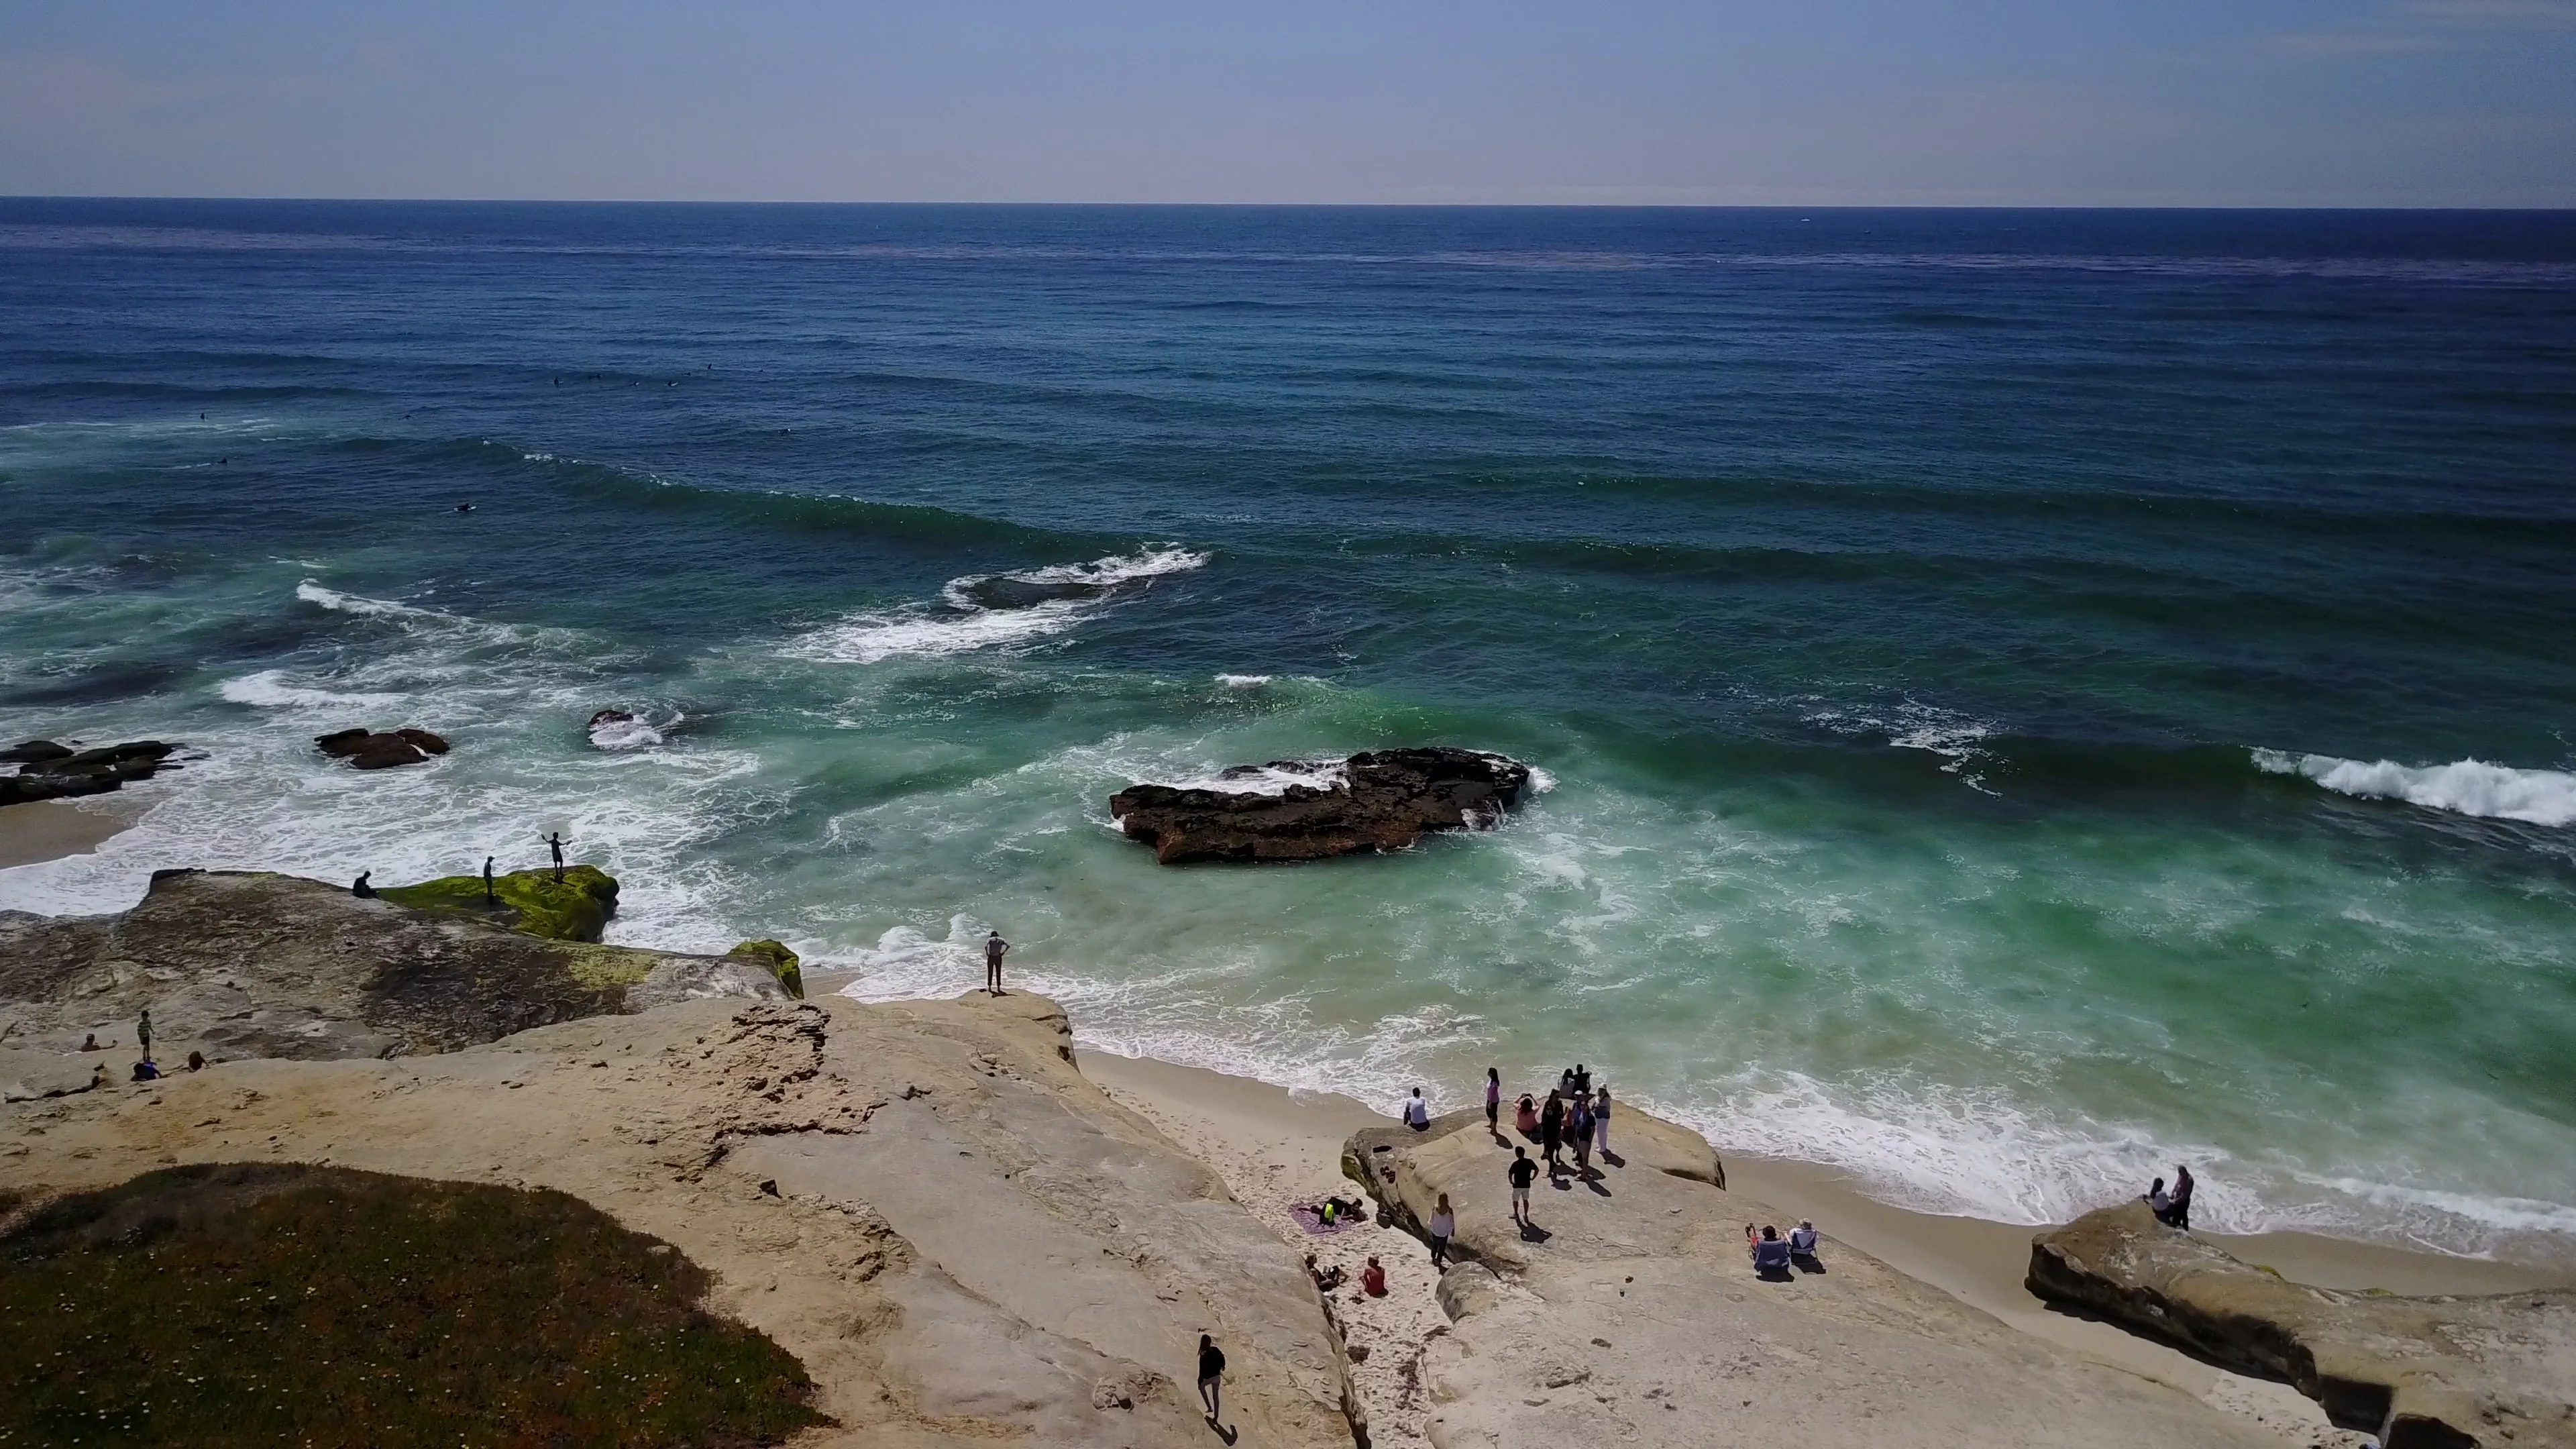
point(43, 830)
point(1272, 1146)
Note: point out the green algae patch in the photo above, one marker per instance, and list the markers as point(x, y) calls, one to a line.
point(604, 967)
point(575, 908)
point(782, 963)
point(237, 1304)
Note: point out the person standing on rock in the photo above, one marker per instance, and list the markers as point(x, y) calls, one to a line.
point(1444, 1226)
point(1494, 1100)
point(2179, 1214)
point(554, 842)
point(489, 899)
point(1522, 1173)
point(1601, 1123)
point(1578, 1133)
point(994, 949)
point(1211, 1373)
point(1551, 1133)
point(143, 1033)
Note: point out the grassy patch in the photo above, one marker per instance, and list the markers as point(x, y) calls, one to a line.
point(241, 1304)
point(782, 963)
point(575, 908)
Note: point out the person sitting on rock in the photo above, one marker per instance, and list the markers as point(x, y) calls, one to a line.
point(2158, 1203)
point(1417, 1113)
point(145, 1071)
point(1770, 1254)
point(1802, 1242)
point(1373, 1279)
point(1526, 1116)
point(89, 1043)
point(360, 888)
point(196, 1061)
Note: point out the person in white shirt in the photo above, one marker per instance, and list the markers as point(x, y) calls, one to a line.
point(1802, 1241)
point(1444, 1226)
point(1417, 1113)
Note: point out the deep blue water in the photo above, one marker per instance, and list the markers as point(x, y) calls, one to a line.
point(2029, 693)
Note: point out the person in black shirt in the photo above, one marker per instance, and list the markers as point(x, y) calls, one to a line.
point(1211, 1375)
point(1551, 1132)
point(1522, 1173)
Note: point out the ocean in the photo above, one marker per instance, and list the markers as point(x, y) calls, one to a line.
point(2026, 698)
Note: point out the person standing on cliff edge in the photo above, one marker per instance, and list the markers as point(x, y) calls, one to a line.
point(994, 949)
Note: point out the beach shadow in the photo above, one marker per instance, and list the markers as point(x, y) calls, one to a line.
point(1806, 1263)
point(1775, 1275)
point(1533, 1233)
point(1613, 1158)
point(1599, 1188)
point(1222, 1432)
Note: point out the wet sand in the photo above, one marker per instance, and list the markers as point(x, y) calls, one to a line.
point(45, 830)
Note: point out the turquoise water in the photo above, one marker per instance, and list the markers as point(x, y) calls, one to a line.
point(2028, 698)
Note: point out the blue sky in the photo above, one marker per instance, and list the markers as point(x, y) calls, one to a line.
point(2415, 102)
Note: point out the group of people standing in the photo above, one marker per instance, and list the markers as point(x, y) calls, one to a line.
point(1576, 1115)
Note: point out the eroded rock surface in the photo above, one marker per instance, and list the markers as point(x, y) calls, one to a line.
point(964, 1241)
point(239, 964)
point(2421, 1373)
point(1633, 1316)
point(1305, 809)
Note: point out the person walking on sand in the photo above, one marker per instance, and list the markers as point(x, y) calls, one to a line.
point(1494, 1100)
point(1521, 1173)
point(994, 949)
point(1444, 1226)
point(2179, 1214)
point(1551, 1133)
point(1417, 1115)
point(1211, 1377)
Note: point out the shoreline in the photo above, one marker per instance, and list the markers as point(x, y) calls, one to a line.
point(1271, 1143)
point(37, 831)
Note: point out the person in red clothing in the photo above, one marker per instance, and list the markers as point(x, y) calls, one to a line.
point(1373, 1279)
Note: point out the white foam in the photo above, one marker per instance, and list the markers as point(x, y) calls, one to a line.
point(1271, 779)
point(313, 593)
point(2464, 787)
point(1243, 681)
point(961, 625)
point(268, 689)
point(1956, 738)
point(638, 733)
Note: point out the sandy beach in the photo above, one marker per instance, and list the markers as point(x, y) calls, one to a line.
point(45, 830)
point(1273, 1146)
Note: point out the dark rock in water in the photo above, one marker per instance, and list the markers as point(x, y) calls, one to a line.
point(56, 772)
point(34, 752)
point(1375, 800)
point(380, 750)
point(1005, 591)
point(610, 716)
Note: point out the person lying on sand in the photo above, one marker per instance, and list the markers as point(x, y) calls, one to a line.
point(1326, 1279)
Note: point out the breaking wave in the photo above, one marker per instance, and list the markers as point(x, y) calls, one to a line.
point(989, 611)
point(2464, 787)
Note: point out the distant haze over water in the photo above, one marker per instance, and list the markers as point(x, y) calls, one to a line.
point(2028, 697)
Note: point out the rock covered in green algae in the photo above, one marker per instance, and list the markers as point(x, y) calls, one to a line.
point(782, 963)
point(574, 908)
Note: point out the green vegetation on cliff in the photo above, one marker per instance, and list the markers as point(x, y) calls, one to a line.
point(575, 908)
point(241, 1304)
point(782, 963)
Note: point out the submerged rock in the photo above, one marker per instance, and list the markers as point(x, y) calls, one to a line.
point(2421, 1373)
point(49, 771)
point(1305, 810)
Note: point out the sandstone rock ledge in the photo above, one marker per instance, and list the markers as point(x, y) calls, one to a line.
point(964, 1241)
point(1636, 1319)
point(2421, 1373)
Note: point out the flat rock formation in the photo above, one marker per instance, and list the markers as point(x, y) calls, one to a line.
point(239, 965)
point(2421, 1373)
point(367, 749)
point(1305, 809)
point(1632, 1316)
point(572, 904)
point(964, 1241)
point(50, 771)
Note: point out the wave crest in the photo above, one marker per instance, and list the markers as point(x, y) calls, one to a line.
point(987, 611)
point(2463, 787)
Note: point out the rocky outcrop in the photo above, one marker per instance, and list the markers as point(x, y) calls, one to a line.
point(245, 965)
point(2421, 1373)
point(1305, 810)
point(779, 961)
point(50, 771)
point(367, 749)
point(964, 1241)
point(1630, 1314)
point(572, 904)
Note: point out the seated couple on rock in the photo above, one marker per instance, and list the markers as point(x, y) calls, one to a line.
point(1772, 1254)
